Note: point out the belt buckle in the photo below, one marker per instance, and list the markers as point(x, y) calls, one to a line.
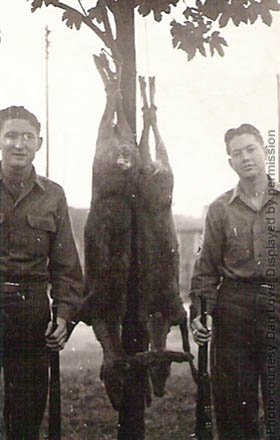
point(266, 286)
point(18, 293)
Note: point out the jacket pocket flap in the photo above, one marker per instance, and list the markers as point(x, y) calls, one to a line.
point(2, 217)
point(43, 223)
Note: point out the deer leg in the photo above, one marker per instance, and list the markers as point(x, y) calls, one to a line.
point(142, 84)
point(158, 328)
point(144, 142)
point(152, 86)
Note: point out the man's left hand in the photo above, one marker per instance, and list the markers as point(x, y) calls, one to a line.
point(55, 340)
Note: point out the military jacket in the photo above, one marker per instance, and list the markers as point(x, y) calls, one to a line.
point(36, 241)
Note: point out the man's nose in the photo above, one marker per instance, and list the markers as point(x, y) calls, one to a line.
point(19, 142)
point(245, 155)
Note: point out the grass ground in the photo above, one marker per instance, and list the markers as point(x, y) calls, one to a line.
point(86, 411)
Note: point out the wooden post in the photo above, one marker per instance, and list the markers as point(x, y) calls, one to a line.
point(278, 111)
point(132, 414)
point(47, 98)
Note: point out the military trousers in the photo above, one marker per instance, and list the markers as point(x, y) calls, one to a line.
point(245, 360)
point(24, 359)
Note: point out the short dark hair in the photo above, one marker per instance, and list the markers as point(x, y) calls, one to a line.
point(242, 129)
point(19, 112)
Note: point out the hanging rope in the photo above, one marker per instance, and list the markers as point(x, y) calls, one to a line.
point(147, 49)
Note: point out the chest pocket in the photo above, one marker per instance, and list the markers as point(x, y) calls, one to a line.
point(239, 248)
point(41, 230)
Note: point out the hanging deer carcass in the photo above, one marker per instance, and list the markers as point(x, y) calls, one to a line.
point(157, 243)
point(108, 228)
point(125, 179)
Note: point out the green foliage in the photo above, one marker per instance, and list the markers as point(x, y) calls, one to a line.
point(39, 3)
point(72, 18)
point(97, 13)
point(198, 30)
point(157, 7)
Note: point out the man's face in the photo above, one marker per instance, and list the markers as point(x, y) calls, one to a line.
point(247, 156)
point(19, 142)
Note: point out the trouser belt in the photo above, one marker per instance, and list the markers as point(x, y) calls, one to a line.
point(252, 283)
point(18, 287)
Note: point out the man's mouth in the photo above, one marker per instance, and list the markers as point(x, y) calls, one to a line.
point(19, 155)
point(248, 167)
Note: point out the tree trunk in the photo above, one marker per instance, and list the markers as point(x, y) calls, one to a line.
point(126, 44)
point(131, 417)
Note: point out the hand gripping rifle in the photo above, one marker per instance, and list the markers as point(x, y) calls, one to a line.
point(54, 389)
point(203, 427)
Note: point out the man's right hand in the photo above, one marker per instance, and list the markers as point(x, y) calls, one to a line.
point(199, 332)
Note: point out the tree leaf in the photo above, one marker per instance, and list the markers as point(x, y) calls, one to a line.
point(213, 8)
point(273, 5)
point(188, 37)
point(51, 2)
point(252, 13)
point(157, 7)
point(266, 17)
point(224, 18)
point(202, 50)
point(72, 18)
point(96, 13)
point(216, 42)
point(36, 4)
point(238, 11)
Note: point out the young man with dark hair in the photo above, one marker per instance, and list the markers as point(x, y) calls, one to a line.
point(37, 250)
point(238, 271)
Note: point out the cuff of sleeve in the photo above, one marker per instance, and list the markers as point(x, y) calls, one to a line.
point(65, 312)
point(194, 309)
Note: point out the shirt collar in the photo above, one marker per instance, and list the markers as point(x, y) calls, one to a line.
point(237, 190)
point(33, 178)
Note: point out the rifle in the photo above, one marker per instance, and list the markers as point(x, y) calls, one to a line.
point(54, 389)
point(186, 347)
point(203, 427)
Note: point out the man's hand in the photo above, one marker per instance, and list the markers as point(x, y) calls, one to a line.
point(55, 340)
point(200, 333)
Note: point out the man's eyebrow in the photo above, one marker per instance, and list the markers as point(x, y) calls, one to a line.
point(20, 132)
point(240, 149)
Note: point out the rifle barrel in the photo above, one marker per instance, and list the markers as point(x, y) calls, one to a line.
point(54, 390)
point(203, 428)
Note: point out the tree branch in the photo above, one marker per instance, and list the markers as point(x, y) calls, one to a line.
point(107, 26)
point(110, 4)
point(109, 34)
point(86, 20)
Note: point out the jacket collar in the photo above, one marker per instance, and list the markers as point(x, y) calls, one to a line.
point(37, 180)
point(237, 192)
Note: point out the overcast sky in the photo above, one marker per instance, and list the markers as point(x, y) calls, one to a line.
point(197, 101)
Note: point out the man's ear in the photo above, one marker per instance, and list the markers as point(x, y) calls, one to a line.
point(40, 141)
point(230, 162)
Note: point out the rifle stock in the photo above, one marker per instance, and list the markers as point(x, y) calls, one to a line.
point(54, 390)
point(203, 428)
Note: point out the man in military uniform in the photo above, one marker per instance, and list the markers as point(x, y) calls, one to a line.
point(37, 250)
point(238, 270)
